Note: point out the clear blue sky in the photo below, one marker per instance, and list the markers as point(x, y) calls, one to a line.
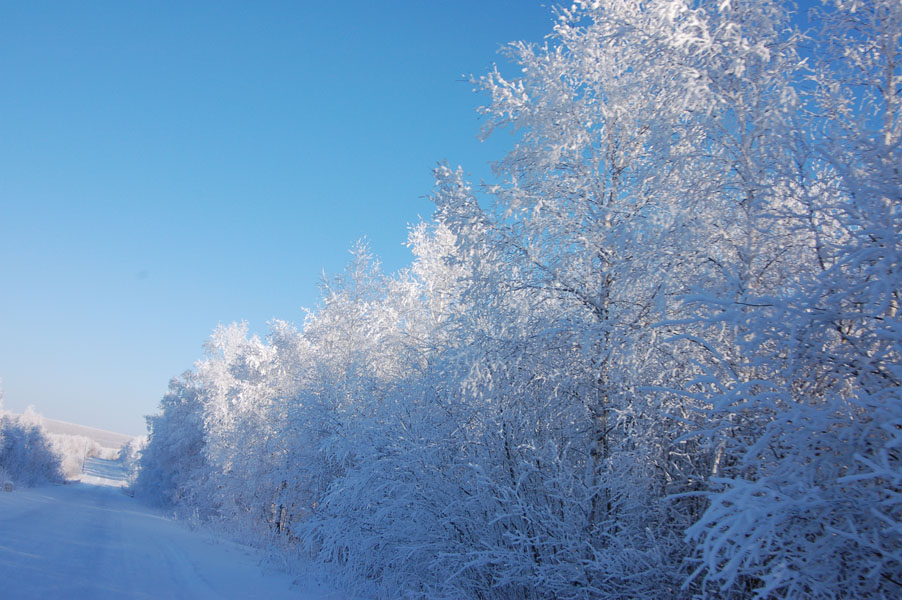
point(168, 166)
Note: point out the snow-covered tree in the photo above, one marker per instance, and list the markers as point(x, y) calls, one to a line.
point(26, 453)
point(173, 466)
point(805, 502)
point(659, 357)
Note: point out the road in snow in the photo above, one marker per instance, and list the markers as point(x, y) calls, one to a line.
point(89, 540)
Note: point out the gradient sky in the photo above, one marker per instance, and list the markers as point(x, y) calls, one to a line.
point(169, 166)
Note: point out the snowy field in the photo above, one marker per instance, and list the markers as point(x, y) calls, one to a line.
point(89, 540)
point(107, 439)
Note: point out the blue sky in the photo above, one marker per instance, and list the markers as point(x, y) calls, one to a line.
point(166, 167)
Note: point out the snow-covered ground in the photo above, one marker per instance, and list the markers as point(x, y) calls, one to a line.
point(107, 473)
point(89, 540)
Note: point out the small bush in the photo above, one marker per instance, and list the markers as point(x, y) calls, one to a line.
point(26, 454)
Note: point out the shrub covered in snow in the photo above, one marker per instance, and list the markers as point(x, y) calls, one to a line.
point(26, 453)
point(129, 455)
point(73, 450)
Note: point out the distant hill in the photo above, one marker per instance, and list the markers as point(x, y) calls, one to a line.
point(107, 439)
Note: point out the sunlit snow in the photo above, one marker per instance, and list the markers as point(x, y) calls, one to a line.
point(88, 539)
